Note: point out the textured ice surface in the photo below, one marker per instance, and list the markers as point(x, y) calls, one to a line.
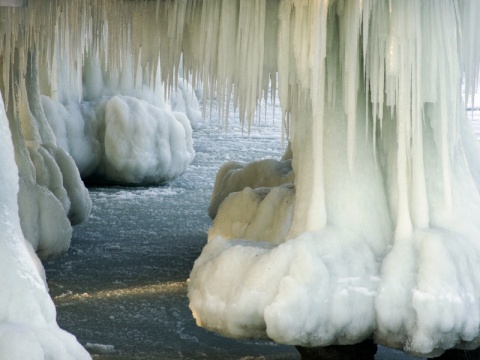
point(124, 132)
point(385, 187)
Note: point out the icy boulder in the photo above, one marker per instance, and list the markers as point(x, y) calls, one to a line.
point(253, 201)
point(266, 215)
point(234, 176)
point(123, 139)
point(118, 126)
point(144, 143)
point(183, 99)
point(28, 329)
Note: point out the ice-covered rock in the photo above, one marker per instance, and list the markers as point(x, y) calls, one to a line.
point(261, 214)
point(122, 139)
point(234, 176)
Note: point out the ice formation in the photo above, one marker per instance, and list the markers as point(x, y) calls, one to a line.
point(384, 238)
point(123, 130)
point(234, 176)
point(76, 107)
point(28, 329)
point(382, 228)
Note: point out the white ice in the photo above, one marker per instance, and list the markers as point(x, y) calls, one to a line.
point(28, 329)
point(124, 131)
point(384, 237)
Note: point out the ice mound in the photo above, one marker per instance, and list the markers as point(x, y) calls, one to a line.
point(184, 100)
point(123, 130)
point(144, 143)
point(234, 176)
point(315, 290)
point(123, 139)
point(261, 214)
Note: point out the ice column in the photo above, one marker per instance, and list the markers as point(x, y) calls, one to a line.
point(27, 315)
point(385, 164)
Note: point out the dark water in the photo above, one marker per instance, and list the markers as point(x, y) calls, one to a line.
point(121, 289)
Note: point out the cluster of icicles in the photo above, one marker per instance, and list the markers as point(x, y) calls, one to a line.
point(386, 179)
point(390, 48)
